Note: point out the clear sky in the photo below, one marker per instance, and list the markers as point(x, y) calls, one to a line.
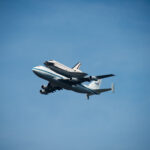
point(106, 37)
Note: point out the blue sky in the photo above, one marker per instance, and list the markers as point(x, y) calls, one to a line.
point(106, 37)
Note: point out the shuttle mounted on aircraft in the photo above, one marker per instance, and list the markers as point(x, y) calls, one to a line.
point(61, 77)
point(64, 70)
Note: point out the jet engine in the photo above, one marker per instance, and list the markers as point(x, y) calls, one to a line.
point(93, 78)
point(43, 92)
point(44, 87)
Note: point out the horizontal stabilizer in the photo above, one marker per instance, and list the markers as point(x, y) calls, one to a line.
point(102, 90)
point(105, 90)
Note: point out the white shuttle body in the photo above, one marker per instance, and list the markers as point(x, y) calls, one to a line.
point(64, 70)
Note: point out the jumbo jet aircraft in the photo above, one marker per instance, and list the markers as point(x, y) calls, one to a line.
point(61, 77)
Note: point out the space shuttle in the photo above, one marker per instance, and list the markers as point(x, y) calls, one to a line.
point(73, 72)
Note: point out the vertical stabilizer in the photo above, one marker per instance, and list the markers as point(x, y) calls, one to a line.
point(113, 88)
point(95, 84)
point(87, 96)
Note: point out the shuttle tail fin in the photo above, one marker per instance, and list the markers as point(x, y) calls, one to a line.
point(77, 66)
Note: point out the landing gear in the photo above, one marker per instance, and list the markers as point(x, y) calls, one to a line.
point(88, 96)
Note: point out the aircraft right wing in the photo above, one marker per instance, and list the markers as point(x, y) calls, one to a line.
point(74, 81)
point(95, 78)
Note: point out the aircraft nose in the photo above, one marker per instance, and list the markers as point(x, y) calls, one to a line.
point(34, 70)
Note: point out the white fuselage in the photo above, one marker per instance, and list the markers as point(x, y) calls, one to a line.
point(55, 79)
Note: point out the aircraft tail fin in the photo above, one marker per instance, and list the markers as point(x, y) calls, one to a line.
point(113, 87)
point(77, 66)
point(96, 87)
point(95, 84)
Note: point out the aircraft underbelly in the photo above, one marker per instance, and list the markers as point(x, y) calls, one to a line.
point(80, 89)
point(76, 88)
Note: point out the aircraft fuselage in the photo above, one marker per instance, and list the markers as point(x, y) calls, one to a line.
point(55, 78)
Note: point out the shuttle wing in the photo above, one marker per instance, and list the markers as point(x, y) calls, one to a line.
point(64, 70)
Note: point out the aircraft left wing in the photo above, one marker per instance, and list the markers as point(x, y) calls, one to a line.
point(49, 89)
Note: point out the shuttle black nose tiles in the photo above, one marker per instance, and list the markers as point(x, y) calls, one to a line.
point(48, 63)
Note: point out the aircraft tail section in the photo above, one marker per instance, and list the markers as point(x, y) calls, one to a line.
point(95, 84)
point(98, 91)
point(77, 66)
point(113, 87)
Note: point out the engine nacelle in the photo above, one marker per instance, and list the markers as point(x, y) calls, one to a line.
point(43, 92)
point(74, 79)
point(93, 78)
point(44, 87)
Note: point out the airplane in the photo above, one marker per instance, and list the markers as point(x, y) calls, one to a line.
point(58, 80)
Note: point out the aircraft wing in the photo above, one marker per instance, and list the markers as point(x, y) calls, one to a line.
point(94, 78)
point(49, 89)
point(74, 81)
